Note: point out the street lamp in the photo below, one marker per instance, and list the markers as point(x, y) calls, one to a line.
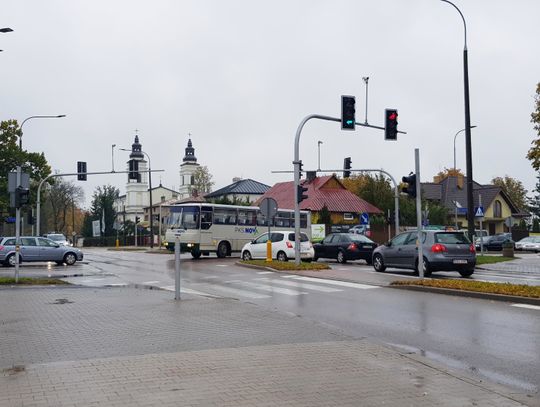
point(319, 153)
point(35, 117)
point(5, 30)
point(151, 204)
point(112, 156)
point(468, 144)
point(462, 130)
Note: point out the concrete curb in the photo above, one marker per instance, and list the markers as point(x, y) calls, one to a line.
point(470, 294)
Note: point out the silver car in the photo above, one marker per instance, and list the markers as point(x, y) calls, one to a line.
point(38, 249)
point(442, 251)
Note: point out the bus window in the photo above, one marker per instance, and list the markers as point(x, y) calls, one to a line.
point(247, 217)
point(190, 217)
point(283, 219)
point(206, 219)
point(224, 216)
point(261, 220)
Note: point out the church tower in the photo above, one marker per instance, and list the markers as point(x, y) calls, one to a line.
point(137, 189)
point(187, 171)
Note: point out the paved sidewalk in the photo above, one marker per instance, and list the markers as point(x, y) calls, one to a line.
point(524, 263)
point(135, 347)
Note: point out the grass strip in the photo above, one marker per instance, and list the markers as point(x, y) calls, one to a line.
point(287, 265)
point(492, 259)
point(519, 290)
point(31, 281)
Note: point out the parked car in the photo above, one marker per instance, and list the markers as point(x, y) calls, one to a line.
point(442, 251)
point(531, 243)
point(37, 249)
point(58, 238)
point(496, 241)
point(282, 247)
point(345, 246)
point(360, 230)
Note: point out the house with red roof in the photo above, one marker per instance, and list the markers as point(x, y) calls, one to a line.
point(344, 206)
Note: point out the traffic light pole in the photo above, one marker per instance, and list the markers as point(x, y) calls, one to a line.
point(38, 203)
point(17, 231)
point(419, 213)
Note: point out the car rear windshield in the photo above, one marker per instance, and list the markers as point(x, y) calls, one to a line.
point(451, 238)
point(303, 237)
point(361, 239)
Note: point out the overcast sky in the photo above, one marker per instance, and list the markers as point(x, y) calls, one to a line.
point(241, 75)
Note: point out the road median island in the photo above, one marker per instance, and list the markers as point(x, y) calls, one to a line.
point(481, 260)
point(9, 281)
point(480, 289)
point(284, 265)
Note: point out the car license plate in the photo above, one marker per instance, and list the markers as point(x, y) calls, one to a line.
point(367, 246)
point(460, 261)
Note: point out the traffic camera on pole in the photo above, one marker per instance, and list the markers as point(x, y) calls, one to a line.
point(346, 167)
point(410, 188)
point(348, 119)
point(301, 193)
point(390, 124)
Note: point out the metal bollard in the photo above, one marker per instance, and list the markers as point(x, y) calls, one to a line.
point(177, 268)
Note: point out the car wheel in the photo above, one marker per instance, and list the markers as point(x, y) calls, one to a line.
point(246, 255)
point(378, 263)
point(341, 257)
point(281, 256)
point(196, 254)
point(10, 260)
point(222, 250)
point(70, 259)
point(466, 273)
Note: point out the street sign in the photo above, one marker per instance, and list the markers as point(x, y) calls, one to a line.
point(96, 232)
point(268, 207)
point(509, 222)
point(364, 218)
point(479, 212)
point(318, 232)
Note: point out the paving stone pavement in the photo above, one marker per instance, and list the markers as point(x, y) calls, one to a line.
point(134, 347)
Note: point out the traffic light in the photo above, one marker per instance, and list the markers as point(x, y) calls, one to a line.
point(410, 189)
point(300, 165)
point(22, 196)
point(133, 170)
point(346, 167)
point(390, 126)
point(347, 113)
point(137, 220)
point(81, 170)
point(301, 193)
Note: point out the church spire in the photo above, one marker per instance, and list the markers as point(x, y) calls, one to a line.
point(190, 153)
point(136, 149)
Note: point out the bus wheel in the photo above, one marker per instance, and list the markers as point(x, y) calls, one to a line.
point(196, 254)
point(222, 250)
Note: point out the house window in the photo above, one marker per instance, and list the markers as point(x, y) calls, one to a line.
point(497, 209)
point(348, 216)
point(163, 199)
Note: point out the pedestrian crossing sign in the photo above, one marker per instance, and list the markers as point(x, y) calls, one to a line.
point(479, 212)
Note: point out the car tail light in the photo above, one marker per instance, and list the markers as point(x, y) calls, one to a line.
point(1, 247)
point(352, 246)
point(472, 249)
point(289, 245)
point(438, 248)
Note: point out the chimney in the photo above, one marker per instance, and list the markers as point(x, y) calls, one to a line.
point(236, 179)
point(436, 179)
point(311, 175)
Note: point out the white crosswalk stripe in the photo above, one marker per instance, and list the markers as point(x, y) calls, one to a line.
point(265, 272)
point(188, 291)
point(301, 285)
point(528, 306)
point(269, 288)
point(238, 292)
point(336, 282)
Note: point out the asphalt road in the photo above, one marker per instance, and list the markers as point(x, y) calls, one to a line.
point(494, 340)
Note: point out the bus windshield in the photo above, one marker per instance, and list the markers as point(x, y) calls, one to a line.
point(185, 217)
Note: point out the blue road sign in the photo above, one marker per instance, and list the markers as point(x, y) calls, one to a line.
point(479, 212)
point(364, 218)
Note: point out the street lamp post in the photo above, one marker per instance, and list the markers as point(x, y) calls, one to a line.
point(468, 144)
point(112, 155)
point(319, 154)
point(151, 204)
point(462, 130)
point(35, 117)
point(5, 30)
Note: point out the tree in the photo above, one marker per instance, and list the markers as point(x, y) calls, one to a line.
point(62, 196)
point(513, 188)
point(103, 202)
point(202, 181)
point(450, 172)
point(533, 154)
point(34, 164)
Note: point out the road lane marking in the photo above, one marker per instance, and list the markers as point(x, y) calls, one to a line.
point(151, 282)
point(289, 276)
point(239, 292)
point(301, 285)
point(188, 291)
point(528, 306)
point(222, 265)
point(265, 272)
point(336, 282)
point(269, 288)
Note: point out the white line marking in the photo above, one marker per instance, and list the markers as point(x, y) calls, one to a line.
point(188, 291)
point(289, 276)
point(265, 272)
point(269, 288)
point(115, 285)
point(151, 282)
point(528, 306)
point(301, 285)
point(239, 292)
point(336, 282)
point(210, 277)
point(222, 265)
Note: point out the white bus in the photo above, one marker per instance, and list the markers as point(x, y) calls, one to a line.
point(205, 228)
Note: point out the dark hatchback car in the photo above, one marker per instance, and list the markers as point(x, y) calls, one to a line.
point(345, 246)
point(496, 241)
point(442, 251)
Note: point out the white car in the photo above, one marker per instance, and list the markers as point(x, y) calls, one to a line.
point(531, 243)
point(58, 238)
point(282, 246)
